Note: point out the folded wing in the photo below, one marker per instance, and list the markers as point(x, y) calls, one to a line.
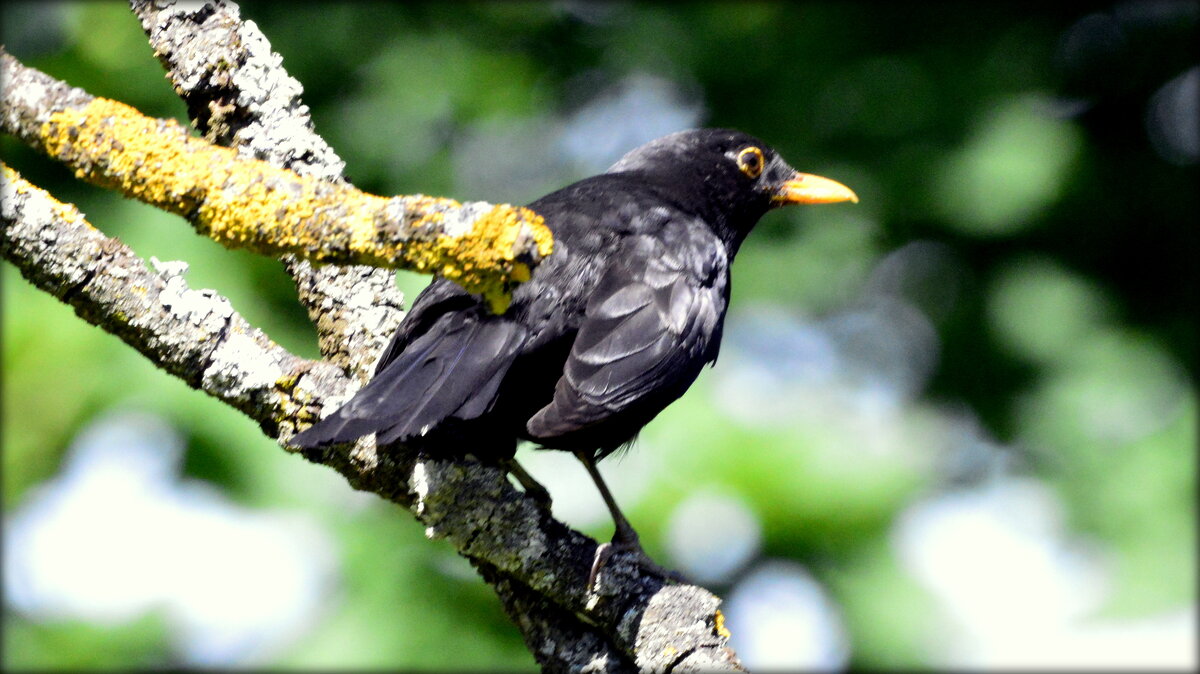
point(653, 322)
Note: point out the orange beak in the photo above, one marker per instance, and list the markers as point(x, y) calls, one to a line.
point(805, 188)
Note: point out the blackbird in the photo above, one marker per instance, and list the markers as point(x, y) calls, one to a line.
point(612, 327)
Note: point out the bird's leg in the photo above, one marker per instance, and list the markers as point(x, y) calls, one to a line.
point(624, 533)
point(532, 487)
point(624, 536)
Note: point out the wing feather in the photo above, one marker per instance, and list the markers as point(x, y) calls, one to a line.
point(652, 323)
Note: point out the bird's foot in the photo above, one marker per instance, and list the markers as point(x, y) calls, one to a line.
point(533, 488)
point(606, 550)
point(540, 495)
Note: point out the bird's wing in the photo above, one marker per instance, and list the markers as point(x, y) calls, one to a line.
point(652, 323)
point(446, 361)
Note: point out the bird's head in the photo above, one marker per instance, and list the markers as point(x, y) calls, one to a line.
point(728, 177)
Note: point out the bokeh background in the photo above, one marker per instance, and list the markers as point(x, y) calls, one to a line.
point(953, 425)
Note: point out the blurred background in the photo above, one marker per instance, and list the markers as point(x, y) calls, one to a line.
point(952, 426)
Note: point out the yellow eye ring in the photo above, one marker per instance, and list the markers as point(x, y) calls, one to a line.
point(750, 161)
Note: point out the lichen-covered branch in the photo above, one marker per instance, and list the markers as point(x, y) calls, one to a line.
point(193, 334)
point(237, 92)
point(252, 204)
point(239, 95)
point(659, 627)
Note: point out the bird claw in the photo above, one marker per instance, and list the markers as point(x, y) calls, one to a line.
point(533, 488)
point(540, 496)
point(605, 550)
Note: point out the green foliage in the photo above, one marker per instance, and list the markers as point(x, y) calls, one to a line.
point(76, 645)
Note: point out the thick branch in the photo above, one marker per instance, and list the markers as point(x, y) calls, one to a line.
point(252, 204)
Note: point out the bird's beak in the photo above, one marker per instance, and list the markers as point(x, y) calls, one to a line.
point(805, 188)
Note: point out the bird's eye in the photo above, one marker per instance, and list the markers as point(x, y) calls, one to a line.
point(750, 161)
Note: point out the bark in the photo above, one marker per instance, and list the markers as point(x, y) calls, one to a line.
point(239, 95)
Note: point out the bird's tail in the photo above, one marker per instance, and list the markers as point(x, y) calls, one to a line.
point(453, 371)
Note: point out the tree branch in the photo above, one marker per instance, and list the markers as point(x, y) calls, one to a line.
point(236, 89)
point(193, 334)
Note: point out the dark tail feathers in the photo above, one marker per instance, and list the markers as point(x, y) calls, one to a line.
point(452, 371)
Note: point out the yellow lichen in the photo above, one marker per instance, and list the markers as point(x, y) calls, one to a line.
point(66, 212)
point(256, 205)
point(719, 627)
point(491, 243)
point(11, 176)
point(498, 300)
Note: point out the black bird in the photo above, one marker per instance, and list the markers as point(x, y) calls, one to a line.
point(612, 327)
